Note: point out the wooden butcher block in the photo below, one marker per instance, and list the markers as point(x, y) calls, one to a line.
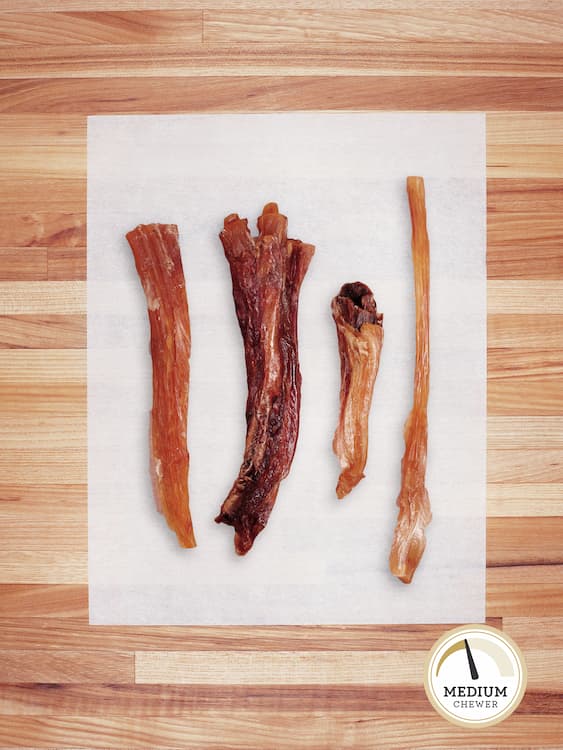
point(65, 684)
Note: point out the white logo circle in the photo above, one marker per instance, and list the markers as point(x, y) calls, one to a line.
point(475, 676)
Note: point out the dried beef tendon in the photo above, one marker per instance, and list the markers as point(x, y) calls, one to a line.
point(414, 505)
point(359, 328)
point(267, 272)
point(159, 265)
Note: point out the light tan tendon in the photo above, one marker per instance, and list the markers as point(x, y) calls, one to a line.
point(414, 505)
point(359, 328)
point(159, 265)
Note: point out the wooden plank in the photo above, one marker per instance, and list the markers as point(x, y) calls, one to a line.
point(529, 631)
point(524, 500)
point(513, 196)
point(44, 601)
point(23, 264)
point(525, 433)
point(406, 5)
point(525, 397)
point(271, 93)
point(50, 132)
point(65, 503)
point(43, 368)
point(524, 541)
point(466, 59)
point(520, 363)
point(66, 264)
point(41, 431)
point(42, 331)
point(43, 465)
point(525, 296)
point(240, 728)
point(67, 666)
point(43, 566)
point(60, 398)
point(520, 591)
point(522, 160)
point(514, 466)
point(530, 331)
point(43, 533)
point(519, 128)
point(71, 633)
point(65, 194)
point(40, 229)
point(545, 668)
point(129, 27)
point(279, 668)
point(387, 25)
point(38, 298)
point(176, 700)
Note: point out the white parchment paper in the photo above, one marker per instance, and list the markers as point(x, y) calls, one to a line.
point(340, 178)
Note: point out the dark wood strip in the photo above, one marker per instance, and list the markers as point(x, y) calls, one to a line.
point(271, 93)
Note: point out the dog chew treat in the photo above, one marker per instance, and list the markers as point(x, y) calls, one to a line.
point(159, 265)
point(414, 505)
point(359, 328)
point(267, 272)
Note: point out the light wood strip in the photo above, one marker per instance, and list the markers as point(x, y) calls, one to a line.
point(535, 632)
point(40, 431)
point(524, 128)
point(239, 729)
point(44, 600)
point(526, 466)
point(41, 229)
point(312, 668)
point(39, 298)
point(520, 591)
point(60, 398)
point(43, 533)
point(265, 93)
point(71, 633)
point(67, 666)
point(524, 541)
point(529, 331)
point(43, 566)
point(528, 396)
point(129, 27)
point(23, 264)
point(524, 500)
point(522, 160)
point(545, 668)
point(525, 433)
point(42, 331)
point(43, 465)
point(279, 668)
point(51, 132)
point(173, 59)
point(43, 368)
point(524, 296)
point(282, 25)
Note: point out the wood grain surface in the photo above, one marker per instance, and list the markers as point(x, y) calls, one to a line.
point(65, 684)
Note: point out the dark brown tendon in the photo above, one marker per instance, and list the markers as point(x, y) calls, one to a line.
point(267, 272)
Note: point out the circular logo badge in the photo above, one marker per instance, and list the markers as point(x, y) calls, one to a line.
point(475, 676)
